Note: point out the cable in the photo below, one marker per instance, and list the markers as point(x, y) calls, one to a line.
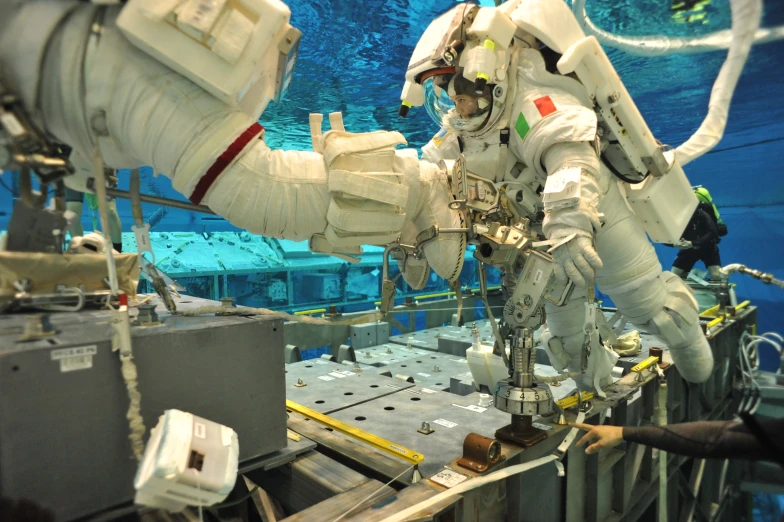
point(236, 502)
point(341, 517)
point(14, 194)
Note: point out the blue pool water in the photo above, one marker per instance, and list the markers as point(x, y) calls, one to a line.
point(353, 56)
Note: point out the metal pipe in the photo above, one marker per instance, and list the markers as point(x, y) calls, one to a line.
point(166, 202)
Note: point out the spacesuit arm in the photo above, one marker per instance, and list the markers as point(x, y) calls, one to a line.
point(571, 202)
point(137, 111)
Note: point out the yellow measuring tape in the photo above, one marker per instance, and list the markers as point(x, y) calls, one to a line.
point(384, 445)
point(571, 401)
point(647, 363)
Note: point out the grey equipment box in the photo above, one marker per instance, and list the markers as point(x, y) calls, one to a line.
point(63, 431)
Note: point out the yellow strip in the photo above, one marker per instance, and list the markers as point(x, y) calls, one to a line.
point(710, 312)
point(716, 322)
point(368, 438)
point(572, 401)
point(311, 312)
point(743, 305)
point(650, 361)
point(296, 437)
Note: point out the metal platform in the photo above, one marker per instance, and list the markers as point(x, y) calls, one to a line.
point(432, 370)
point(388, 353)
point(328, 387)
point(397, 417)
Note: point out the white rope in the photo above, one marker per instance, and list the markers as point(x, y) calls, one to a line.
point(660, 45)
point(746, 15)
point(344, 515)
point(468, 486)
point(135, 420)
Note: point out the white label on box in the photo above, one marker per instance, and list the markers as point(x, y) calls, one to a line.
point(448, 478)
point(326, 378)
point(472, 407)
point(82, 362)
point(545, 427)
point(77, 358)
point(538, 276)
point(200, 430)
point(346, 373)
point(74, 352)
point(336, 374)
point(446, 423)
point(424, 374)
point(428, 391)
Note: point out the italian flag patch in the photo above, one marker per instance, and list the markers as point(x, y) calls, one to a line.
point(533, 114)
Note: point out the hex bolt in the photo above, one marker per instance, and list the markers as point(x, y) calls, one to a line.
point(436, 369)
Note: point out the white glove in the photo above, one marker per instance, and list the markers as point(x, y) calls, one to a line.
point(575, 257)
point(684, 244)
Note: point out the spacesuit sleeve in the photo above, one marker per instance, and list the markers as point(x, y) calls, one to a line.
point(554, 134)
point(443, 146)
point(136, 111)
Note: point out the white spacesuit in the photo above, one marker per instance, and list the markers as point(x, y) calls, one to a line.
point(114, 91)
point(536, 131)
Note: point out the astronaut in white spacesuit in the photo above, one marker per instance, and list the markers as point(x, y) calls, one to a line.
point(109, 92)
point(536, 130)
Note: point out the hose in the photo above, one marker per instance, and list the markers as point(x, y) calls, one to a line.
point(660, 45)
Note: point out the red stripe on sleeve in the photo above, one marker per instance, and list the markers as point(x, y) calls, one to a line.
point(223, 161)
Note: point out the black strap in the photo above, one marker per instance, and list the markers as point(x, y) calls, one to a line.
point(754, 427)
point(504, 137)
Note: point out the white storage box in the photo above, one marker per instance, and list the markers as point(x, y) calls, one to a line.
point(188, 461)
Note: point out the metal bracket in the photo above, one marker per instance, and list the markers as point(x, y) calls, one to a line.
point(480, 453)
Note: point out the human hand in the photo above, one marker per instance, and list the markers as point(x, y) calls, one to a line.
point(684, 244)
point(599, 437)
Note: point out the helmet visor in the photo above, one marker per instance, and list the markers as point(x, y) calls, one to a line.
point(450, 100)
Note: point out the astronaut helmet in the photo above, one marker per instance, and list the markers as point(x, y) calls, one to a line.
point(459, 67)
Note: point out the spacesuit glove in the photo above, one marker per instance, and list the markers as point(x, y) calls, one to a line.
point(574, 255)
point(445, 254)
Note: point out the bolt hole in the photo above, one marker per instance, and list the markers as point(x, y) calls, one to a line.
point(349, 393)
point(403, 366)
point(274, 329)
point(308, 366)
point(419, 361)
point(415, 399)
point(329, 429)
point(319, 402)
point(374, 385)
point(433, 357)
point(15, 369)
point(360, 418)
point(438, 384)
point(52, 342)
point(389, 408)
